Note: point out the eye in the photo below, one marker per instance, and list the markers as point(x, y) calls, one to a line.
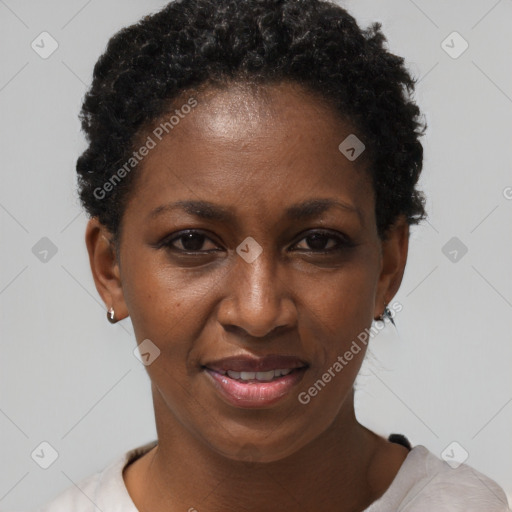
point(319, 240)
point(190, 241)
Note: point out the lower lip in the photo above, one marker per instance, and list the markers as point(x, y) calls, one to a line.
point(255, 394)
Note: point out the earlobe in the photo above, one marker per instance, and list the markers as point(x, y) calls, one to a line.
point(104, 267)
point(394, 258)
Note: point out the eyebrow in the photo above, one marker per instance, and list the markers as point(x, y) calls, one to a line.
point(205, 210)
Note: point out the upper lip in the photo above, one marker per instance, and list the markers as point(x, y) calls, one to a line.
point(245, 363)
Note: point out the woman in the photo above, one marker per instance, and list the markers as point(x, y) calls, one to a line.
point(251, 181)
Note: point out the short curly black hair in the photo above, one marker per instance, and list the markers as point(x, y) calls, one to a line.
point(192, 43)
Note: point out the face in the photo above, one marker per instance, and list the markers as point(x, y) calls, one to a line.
point(272, 262)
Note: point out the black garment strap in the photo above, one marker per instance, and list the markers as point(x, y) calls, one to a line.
point(400, 439)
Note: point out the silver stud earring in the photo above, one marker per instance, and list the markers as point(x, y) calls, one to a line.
point(386, 314)
point(111, 315)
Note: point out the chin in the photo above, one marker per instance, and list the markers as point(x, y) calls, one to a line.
point(260, 447)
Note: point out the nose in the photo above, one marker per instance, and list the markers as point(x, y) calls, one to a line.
point(258, 300)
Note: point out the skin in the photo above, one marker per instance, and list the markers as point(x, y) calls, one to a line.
point(255, 154)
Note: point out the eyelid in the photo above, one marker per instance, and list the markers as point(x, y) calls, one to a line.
point(169, 239)
point(341, 239)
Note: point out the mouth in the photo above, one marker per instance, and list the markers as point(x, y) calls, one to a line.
point(250, 382)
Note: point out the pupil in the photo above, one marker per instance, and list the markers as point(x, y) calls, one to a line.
point(317, 241)
point(192, 241)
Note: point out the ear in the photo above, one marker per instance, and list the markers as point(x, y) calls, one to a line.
point(394, 257)
point(105, 267)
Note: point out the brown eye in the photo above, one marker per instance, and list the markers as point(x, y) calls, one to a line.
point(190, 241)
point(322, 241)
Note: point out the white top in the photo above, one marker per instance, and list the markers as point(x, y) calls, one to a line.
point(424, 483)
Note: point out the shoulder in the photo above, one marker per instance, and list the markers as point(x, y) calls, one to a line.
point(76, 498)
point(425, 483)
point(438, 486)
point(104, 490)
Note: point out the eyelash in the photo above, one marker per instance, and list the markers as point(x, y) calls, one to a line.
point(343, 242)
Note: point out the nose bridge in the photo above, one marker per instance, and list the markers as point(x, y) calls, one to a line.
point(257, 294)
point(256, 280)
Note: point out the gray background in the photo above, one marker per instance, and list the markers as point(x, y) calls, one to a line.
point(69, 378)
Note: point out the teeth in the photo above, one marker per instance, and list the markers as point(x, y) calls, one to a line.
point(261, 376)
point(265, 376)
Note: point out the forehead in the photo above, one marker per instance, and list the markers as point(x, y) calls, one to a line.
point(257, 149)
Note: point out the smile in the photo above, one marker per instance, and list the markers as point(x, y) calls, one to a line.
point(250, 382)
point(258, 376)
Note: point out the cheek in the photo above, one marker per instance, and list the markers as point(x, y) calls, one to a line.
point(336, 332)
point(344, 301)
point(338, 338)
point(162, 300)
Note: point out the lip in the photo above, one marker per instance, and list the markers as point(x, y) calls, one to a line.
point(253, 394)
point(245, 363)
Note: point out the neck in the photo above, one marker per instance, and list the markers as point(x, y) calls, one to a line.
point(331, 473)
